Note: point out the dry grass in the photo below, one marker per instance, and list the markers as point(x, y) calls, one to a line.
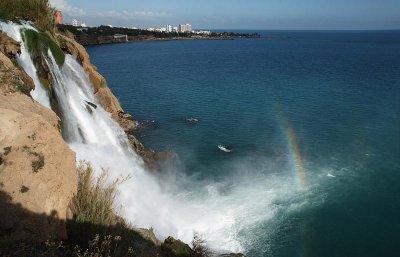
point(95, 199)
point(38, 11)
point(199, 246)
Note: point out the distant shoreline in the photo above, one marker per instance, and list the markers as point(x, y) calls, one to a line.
point(109, 35)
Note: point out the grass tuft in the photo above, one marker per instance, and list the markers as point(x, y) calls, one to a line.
point(7, 150)
point(200, 248)
point(95, 199)
point(24, 189)
point(38, 163)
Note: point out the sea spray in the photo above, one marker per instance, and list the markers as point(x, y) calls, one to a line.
point(25, 61)
point(223, 212)
point(145, 200)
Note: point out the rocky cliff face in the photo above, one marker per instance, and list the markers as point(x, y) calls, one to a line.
point(37, 168)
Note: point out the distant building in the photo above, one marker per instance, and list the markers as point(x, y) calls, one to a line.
point(58, 18)
point(184, 28)
point(75, 23)
point(175, 29)
point(83, 25)
point(168, 28)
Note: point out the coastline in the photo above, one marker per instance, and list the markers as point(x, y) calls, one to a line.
point(107, 35)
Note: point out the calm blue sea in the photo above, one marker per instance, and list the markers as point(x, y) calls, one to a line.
point(313, 119)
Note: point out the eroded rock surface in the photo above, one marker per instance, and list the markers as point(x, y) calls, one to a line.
point(37, 168)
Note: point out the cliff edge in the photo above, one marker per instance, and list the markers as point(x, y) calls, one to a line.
point(37, 168)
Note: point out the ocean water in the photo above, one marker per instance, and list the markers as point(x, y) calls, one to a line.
point(313, 119)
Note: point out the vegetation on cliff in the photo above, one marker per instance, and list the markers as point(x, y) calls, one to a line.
point(39, 42)
point(105, 34)
point(37, 11)
point(95, 198)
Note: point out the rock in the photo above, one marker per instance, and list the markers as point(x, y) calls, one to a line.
point(152, 159)
point(148, 234)
point(13, 79)
point(175, 248)
point(38, 172)
point(9, 46)
point(232, 255)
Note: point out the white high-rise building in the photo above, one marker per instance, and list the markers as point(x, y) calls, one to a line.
point(168, 28)
point(185, 28)
point(75, 22)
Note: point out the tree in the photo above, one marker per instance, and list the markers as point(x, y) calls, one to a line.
point(200, 247)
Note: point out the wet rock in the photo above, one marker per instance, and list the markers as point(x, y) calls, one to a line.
point(154, 160)
point(91, 104)
point(175, 248)
point(232, 255)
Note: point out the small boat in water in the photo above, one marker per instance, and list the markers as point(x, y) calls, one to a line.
point(191, 120)
point(225, 149)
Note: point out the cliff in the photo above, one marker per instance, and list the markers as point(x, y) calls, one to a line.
point(38, 174)
point(37, 168)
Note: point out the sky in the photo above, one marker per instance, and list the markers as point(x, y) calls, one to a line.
point(236, 14)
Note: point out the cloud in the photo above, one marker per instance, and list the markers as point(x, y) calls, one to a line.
point(127, 15)
point(65, 7)
point(76, 12)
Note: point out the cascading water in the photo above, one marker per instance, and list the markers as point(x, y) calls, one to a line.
point(24, 60)
point(218, 211)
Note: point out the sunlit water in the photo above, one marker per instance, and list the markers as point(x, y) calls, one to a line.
point(313, 121)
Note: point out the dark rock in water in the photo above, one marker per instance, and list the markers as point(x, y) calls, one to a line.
point(126, 121)
point(91, 104)
point(125, 115)
point(147, 124)
point(89, 109)
point(232, 255)
point(174, 247)
point(152, 159)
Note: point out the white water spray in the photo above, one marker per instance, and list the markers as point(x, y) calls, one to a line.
point(219, 211)
point(24, 60)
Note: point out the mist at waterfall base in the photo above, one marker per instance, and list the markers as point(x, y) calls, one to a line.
point(312, 117)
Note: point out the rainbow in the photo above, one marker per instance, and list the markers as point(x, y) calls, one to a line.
point(294, 151)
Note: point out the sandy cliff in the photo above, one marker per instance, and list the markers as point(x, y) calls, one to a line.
point(37, 168)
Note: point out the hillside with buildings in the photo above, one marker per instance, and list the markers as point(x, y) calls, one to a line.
point(106, 34)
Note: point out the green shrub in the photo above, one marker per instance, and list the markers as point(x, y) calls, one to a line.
point(38, 11)
point(7, 150)
point(40, 42)
point(38, 162)
point(94, 202)
point(24, 189)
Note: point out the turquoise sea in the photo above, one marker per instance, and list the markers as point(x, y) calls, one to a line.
point(312, 117)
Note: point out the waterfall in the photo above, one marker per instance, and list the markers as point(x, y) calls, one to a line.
point(24, 59)
point(220, 211)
